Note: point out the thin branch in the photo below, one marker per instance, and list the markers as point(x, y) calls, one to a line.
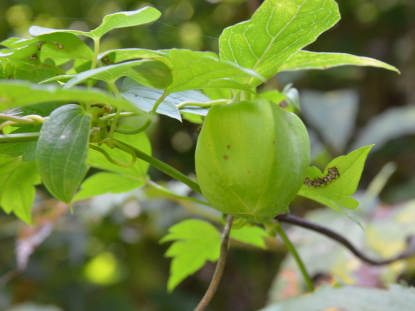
point(296, 256)
point(18, 138)
point(294, 220)
point(219, 266)
point(171, 171)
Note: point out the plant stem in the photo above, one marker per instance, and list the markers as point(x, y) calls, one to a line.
point(217, 275)
point(206, 104)
point(164, 168)
point(297, 258)
point(19, 138)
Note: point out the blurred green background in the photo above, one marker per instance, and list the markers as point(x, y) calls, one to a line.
point(106, 256)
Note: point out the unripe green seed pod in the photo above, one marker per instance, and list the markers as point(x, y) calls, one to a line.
point(251, 158)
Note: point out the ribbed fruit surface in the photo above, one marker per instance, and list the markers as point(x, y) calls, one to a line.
point(251, 158)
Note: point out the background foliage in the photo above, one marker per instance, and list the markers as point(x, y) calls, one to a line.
point(107, 254)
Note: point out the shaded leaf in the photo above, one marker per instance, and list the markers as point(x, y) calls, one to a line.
point(196, 242)
point(305, 60)
point(104, 182)
point(150, 73)
point(393, 123)
point(144, 98)
point(351, 298)
point(62, 150)
point(252, 235)
point(18, 94)
point(276, 31)
point(25, 149)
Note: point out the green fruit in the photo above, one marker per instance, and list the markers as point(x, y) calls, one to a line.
point(251, 158)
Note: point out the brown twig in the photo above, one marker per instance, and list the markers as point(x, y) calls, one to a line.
point(294, 220)
point(217, 275)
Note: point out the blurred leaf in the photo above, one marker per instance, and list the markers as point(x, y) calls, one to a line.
point(25, 149)
point(227, 84)
point(103, 269)
point(28, 306)
point(277, 30)
point(104, 182)
point(305, 60)
point(19, 94)
point(196, 242)
point(351, 298)
point(275, 96)
point(122, 55)
point(144, 98)
point(111, 21)
point(393, 123)
point(333, 114)
point(62, 149)
point(150, 73)
point(252, 235)
point(336, 193)
point(138, 170)
point(193, 70)
point(17, 191)
point(293, 97)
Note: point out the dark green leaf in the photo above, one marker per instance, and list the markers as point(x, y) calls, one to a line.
point(62, 150)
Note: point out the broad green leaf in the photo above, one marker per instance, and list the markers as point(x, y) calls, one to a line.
point(148, 72)
point(305, 60)
point(62, 150)
point(337, 193)
point(63, 45)
point(192, 70)
point(276, 31)
point(104, 182)
point(17, 191)
point(144, 98)
point(61, 78)
point(122, 55)
point(227, 84)
point(111, 21)
point(252, 235)
point(397, 297)
point(196, 242)
point(18, 94)
point(138, 170)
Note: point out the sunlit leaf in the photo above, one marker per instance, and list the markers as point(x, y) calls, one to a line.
point(122, 55)
point(276, 31)
point(303, 60)
point(17, 181)
point(251, 235)
point(196, 242)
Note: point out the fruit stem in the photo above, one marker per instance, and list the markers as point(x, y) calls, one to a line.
point(296, 256)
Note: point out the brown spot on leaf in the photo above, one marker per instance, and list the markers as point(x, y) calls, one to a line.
point(228, 147)
point(225, 157)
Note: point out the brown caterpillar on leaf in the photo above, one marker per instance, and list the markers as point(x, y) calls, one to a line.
point(332, 174)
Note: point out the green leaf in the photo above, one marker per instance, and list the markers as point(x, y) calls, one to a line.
point(138, 170)
point(196, 242)
point(252, 235)
point(327, 298)
point(122, 55)
point(111, 21)
point(192, 70)
point(274, 96)
point(277, 30)
point(305, 60)
point(63, 45)
point(148, 72)
point(144, 98)
point(104, 182)
point(25, 149)
point(17, 94)
point(336, 193)
point(62, 150)
point(17, 191)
